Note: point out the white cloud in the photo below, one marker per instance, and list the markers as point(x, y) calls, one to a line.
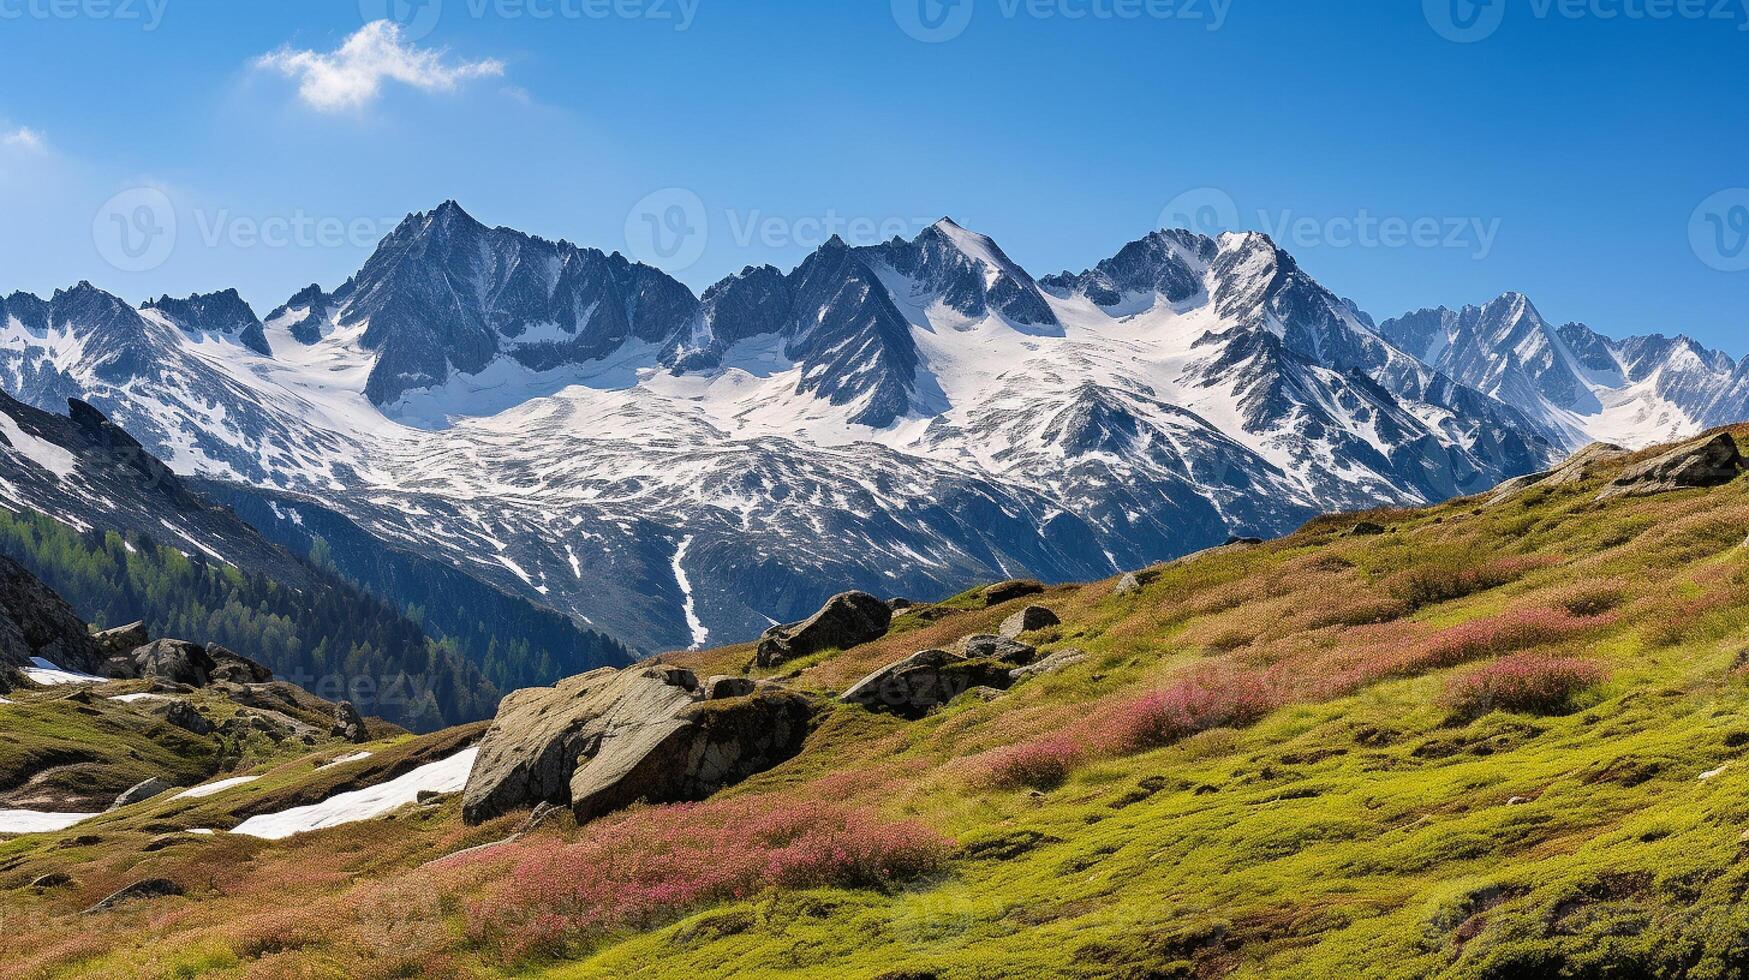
point(24, 138)
point(353, 75)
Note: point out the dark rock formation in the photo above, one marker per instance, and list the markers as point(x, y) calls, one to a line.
point(1027, 620)
point(845, 621)
point(1001, 592)
point(148, 888)
point(34, 622)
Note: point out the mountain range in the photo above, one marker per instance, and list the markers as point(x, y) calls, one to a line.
point(585, 433)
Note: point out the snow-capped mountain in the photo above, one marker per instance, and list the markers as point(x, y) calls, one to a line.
point(909, 417)
point(1579, 385)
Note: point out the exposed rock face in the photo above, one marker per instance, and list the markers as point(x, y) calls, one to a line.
point(34, 622)
point(1028, 619)
point(726, 686)
point(603, 740)
point(924, 680)
point(149, 888)
point(141, 792)
point(1128, 585)
point(1703, 463)
point(845, 621)
point(122, 639)
point(1001, 592)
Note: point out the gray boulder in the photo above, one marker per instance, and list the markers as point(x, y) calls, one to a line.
point(601, 741)
point(1128, 585)
point(122, 639)
point(912, 686)
point(845, 621)
point(349, 724)
point(1027, 620)
point(986, 647)
point(141, 792)
point(177, 661)
point(1708, 462)
point(1578, 468)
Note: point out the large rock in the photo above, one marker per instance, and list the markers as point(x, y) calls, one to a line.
point(983, 646)
point(34, 622)
point(184, 716)
point(141, 792)
point(177, 661)
point(912, 686)
point(122, 639)
point(233, 667)
point(349, 724)
point(1027, 620)
point(606, 739)
point(995, 595)
point(1049, 665)
point(1707, 462)
point(845, 621)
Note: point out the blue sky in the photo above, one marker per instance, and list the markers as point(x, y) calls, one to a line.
point(1585, 152)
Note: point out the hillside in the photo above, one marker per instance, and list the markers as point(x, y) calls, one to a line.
point(1499, 737)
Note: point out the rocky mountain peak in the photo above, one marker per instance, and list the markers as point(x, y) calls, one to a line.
point(223, 313)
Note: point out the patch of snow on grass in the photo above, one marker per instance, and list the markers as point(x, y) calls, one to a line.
point(445, 776)
point(49, 675)
point(213, 789)
point(133, 698)
point(37, 822)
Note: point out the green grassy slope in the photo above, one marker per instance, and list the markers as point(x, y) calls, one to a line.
point(1275, 761)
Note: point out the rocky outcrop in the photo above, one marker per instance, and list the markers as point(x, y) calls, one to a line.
point(176, 661)
point(231, 666)
point(995, 595)
point(603, 740)
point(726, 686)
point(184, 716)
point(924, 680)
point(845, 621)
point(122, 639)
point(1027, 620)
point(1128, 585)
point(34, 622)
point(1578, 468)
point(141, 792)
point(1708, 462)
point(349, 724)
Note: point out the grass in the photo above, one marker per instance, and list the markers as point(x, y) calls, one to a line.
point(1471, 747)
